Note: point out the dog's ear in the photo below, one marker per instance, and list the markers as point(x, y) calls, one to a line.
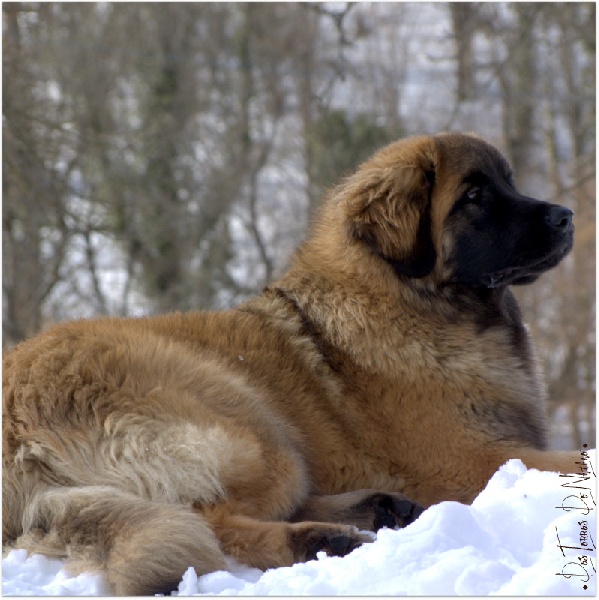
point(388, 208)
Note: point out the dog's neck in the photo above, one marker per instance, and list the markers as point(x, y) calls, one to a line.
point(343, 308)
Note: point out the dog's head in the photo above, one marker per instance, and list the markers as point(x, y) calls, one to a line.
point(445, 208)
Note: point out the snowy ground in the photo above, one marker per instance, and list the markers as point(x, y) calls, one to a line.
point(527, 533)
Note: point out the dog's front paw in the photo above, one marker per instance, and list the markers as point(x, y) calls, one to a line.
point(308, 539)
point(389, 510)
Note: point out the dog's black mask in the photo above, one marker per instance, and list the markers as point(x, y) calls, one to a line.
point(504, 238)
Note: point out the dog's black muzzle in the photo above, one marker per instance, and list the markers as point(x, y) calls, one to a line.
point(511, 241)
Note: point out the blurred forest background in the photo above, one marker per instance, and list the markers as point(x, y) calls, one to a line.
point(170, 155)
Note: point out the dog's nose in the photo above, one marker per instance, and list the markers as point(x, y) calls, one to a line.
point(559, 217)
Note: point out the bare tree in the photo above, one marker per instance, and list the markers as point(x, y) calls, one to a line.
point(464, 20)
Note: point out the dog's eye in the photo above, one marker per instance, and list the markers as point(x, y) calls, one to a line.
point(473, 193)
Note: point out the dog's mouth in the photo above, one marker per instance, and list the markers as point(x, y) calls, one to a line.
point(528, 273)
point(504, 277)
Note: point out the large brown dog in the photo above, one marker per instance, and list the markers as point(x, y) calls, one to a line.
point(388, 369)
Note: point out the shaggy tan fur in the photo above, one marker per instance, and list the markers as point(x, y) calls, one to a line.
point(144, 446)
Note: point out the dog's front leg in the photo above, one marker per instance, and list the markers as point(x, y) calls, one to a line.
point(365, 509)
point(270, 544)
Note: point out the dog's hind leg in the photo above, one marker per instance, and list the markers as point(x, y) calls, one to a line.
point(564, 462)
point(144, 546)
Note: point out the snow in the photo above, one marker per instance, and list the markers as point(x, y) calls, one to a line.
point(527, 533)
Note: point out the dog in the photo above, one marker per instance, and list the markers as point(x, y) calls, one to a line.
point(387, 370)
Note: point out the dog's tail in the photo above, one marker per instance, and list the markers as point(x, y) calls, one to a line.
point(144, 547)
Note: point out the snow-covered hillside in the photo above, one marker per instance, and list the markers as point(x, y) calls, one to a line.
point(528, 533)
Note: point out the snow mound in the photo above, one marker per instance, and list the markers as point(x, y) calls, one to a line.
point(527, 533)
